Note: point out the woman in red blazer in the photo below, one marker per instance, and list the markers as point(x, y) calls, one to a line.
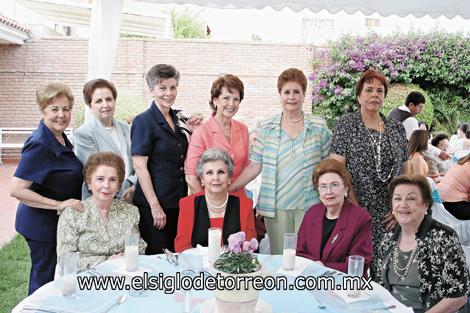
point(334, 229)
point(214, 206)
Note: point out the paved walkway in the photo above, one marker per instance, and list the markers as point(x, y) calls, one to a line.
point(7, 204)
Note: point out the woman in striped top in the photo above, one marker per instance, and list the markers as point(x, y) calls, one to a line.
point(288, 147)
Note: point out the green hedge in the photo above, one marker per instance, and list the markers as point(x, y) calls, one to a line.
point(396, 96)
point(128, 105)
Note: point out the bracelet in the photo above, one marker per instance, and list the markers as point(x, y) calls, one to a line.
point(58, 206)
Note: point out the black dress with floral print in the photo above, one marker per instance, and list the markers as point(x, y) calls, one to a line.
point(359, 145)
point(442, 267)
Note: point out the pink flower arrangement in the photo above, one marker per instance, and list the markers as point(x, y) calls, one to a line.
point(237, 243)
point(239, 259)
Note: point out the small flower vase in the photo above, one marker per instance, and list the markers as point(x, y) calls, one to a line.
point(245, 293)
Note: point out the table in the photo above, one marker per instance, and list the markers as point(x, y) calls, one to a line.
point(281, 301)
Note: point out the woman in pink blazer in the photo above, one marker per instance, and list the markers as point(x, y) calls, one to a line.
point(334, 229)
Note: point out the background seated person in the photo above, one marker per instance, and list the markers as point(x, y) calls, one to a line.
point(417, 145)
point(214, 206)
point(454, 189)
point(99, 232)
point(335, 228)
point(422, 262)
point(441, 141)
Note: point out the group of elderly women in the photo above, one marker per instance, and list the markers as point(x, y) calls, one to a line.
point(341, 194)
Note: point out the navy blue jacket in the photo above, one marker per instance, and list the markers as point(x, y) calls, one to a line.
point(166, 149)
point(56, 173)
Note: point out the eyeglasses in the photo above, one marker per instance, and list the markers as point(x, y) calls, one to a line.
point(333, 187)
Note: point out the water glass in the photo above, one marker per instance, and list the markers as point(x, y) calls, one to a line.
point(68, 273)
point(288, 254)
point(215, 239)
point(356, 269)
point(131, 252)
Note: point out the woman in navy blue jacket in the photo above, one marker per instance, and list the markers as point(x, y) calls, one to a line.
point(47, 180)
point(158, 147)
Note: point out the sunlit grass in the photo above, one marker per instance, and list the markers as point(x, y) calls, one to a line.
point(14, 272)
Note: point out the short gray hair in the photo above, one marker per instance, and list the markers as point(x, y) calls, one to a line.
point(212, 155)
point(161, 71)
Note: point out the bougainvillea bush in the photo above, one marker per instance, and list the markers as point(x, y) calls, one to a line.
point(437, 62)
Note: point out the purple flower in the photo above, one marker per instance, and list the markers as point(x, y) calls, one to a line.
point(323, 83)
point(338, 90)
point(235, 241)
point(250, 246)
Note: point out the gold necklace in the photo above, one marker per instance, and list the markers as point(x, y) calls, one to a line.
point(407, 267)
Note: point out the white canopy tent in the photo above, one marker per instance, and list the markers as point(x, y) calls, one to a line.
point(418, 8)
point(106, 18)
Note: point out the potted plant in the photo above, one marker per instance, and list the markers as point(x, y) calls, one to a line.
point(239, 261)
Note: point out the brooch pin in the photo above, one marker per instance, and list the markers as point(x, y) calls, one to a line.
point(334, 239)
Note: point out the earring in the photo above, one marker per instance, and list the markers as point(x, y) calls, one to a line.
point(202, 184)
point(346, 194)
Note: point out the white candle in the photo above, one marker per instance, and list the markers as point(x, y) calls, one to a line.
point(215, 237)
point(288, 259)
point(68, 285)
point(131, 258)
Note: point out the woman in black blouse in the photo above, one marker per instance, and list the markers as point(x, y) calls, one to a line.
point(422, 262)
point(374, 149)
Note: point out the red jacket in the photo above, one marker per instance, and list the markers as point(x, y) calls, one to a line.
point(183, 238)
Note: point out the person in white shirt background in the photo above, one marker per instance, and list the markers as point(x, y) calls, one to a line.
point(406, 114)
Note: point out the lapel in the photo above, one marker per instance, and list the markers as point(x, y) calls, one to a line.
point(102, 134)
point(317, 228)
point(123, 135)
point(338, 233)
point(218, 133)
point(160, 119)
point(55, 145)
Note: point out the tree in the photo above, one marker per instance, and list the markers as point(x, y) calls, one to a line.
point(187, 24)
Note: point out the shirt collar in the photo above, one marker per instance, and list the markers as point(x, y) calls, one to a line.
point(404, 108)
point(55, 145)
point(159, 115)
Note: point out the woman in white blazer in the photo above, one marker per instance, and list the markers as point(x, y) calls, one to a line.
point(103, 133)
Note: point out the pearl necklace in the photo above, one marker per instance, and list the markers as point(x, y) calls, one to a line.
point(217, 209)
point(405, 269)
point(294, 121)
point(377, 149)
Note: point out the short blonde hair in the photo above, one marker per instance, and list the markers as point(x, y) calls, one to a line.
point(47, 93)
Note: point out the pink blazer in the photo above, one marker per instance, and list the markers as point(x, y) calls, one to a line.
point(351, 236)
point(209, 135)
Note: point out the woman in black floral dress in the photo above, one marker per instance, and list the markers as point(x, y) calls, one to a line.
point(374, 149)
point(422, 262)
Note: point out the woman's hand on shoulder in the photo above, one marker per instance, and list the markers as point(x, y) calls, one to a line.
point(194, 121)
point(75, 204)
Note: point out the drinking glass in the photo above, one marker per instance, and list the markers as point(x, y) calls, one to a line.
point(355, 269)
point(131, 252)
point(288, 254)
point(68, 273)
point(215, 239)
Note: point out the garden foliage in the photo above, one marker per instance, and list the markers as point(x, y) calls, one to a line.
point(437, 62)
